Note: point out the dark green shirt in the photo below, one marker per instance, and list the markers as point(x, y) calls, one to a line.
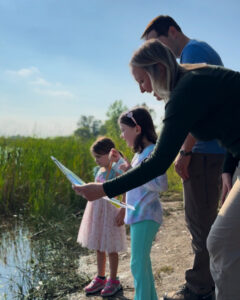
point(205, 102)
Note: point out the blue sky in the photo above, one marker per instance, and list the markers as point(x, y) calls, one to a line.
point(60, 59)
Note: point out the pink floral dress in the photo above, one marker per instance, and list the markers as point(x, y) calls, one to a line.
point(98, 229)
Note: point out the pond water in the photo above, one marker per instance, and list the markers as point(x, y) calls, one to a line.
point(39, 258)
point(16, 259)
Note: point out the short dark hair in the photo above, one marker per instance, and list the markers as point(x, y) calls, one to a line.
point(143, 118)
point(161, 25)
point(102, 145)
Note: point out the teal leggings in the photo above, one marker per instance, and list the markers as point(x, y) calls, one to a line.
point(142, 236)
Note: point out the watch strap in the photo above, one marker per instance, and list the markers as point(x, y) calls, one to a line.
point(185, 153)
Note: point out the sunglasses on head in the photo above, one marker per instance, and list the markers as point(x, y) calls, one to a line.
point(130, 115)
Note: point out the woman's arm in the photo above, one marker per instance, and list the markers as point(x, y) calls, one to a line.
point(169, 142)
point(230, 164)
point(229, 167)
point(182, 113)
point(226, 186)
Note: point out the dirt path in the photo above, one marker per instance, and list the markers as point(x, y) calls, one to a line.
point(171, 255)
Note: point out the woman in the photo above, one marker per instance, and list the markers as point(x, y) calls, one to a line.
point(203, 100)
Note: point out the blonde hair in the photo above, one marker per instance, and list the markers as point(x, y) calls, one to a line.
point(190, 67)
point(148, 56)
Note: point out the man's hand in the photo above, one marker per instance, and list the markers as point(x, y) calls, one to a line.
point(226, 186)
point(90, 191)
point(181, 166)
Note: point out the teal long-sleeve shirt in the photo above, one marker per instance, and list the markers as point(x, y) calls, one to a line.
point(205, 102)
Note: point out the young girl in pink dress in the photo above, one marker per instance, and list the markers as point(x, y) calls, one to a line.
point(102, 226)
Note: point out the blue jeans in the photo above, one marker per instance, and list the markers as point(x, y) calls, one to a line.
point(142, 236)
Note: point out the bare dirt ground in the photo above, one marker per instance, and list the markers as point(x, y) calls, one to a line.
point(171, 256)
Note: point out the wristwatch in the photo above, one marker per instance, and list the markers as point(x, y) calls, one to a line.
point(185, 153)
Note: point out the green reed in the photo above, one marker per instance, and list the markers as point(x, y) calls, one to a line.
point(29, 178)
point(174, 181)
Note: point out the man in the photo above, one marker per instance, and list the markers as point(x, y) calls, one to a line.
point(199, 164)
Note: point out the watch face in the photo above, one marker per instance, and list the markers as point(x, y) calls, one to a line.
point(184, 153)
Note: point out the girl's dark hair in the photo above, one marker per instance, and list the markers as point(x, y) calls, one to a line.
point(143, 118)
point(102, 145)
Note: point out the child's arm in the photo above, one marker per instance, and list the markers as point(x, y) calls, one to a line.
point(121, 164)
point(120, 217)
point(114, 155)
point(124, 164)
point(121, 214)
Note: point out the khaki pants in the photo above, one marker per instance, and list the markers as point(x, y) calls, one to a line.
point(201, 197)
point(224, 247)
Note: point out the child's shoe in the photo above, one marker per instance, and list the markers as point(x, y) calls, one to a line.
point(111, 287)
point(96, 285)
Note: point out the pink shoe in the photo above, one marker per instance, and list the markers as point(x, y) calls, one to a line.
point(111, 288)
point(96, 285)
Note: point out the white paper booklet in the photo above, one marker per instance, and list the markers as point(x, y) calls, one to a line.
point(75, 180)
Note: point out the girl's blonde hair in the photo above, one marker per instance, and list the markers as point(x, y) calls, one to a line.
point(148, 56)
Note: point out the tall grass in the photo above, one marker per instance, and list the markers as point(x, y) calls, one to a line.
point(29, 178)
point(174, 181)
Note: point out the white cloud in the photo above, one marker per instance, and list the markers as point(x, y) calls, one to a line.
point(55, 93)
point(24, 73)
point(32, 77)
point(40, 81)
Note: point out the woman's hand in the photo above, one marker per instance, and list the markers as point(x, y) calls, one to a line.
point(226, 186)
point(181, 166)
point(114, 155)
point(120, 217)
point(90, 191)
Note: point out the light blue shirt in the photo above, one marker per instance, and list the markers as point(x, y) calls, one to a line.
point(145, 198)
